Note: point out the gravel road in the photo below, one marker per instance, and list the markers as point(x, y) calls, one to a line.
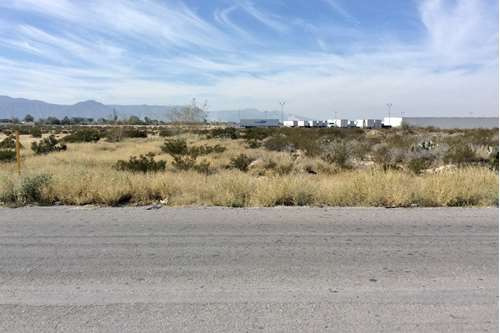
point(86, 269)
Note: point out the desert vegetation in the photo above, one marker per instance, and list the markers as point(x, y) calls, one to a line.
point(225, 166)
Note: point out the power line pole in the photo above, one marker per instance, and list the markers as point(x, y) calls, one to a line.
point(389, 107)
point(282, 103)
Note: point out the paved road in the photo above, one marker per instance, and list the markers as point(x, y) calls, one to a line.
point(258, 270)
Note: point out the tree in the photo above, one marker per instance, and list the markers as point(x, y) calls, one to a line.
point(188, 114)
point(134, 120)
point(65, 121)
point(29, 118)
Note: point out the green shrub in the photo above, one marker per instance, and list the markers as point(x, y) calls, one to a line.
point(47, 145)
point(143, 163)
point(134, 133)
point(166, 132)
point(253, 144)
point(7, 155)
point(493, 160)
point(36, 132)
point(9, 143)
point(460, 154)
point(203, 167)
point(224, 133)
point(336, 152)
point(32, 188)
point(83, 135)
point(279, 142)
point(205, 150)
point(183, 162)
point(175, 147)
point(417, 165)
point(241, 162)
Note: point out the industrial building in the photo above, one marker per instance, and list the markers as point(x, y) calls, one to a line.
point(255, 123)
point(443, 122)
point(438, 122)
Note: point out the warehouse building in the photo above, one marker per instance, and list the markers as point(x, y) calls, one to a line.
point(443, 122)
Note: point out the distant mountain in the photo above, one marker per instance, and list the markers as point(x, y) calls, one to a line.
point(20, 107)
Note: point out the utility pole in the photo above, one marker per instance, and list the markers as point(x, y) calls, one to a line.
point(18, 153)
point(389, 107)
point(282, 103)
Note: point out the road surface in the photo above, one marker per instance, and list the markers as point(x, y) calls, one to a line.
point(85, 269)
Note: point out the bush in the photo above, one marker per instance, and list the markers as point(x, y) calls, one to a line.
point(183, 162)
point(493, 160)
point(460, 154)
point(134, 133)
point(83, 135)
point(143, 163)
point(336, 152)
point(8, 143)
point(36, 132)
point(203, 168)
point(417, 165)
point(175, 147)
point(166, 132)
point(47, 145)
point(241, 162)
point(7, 155)
point(224, 133)
point(32, 188)
point(205, 150)
point(279, 143)
point(253, 144)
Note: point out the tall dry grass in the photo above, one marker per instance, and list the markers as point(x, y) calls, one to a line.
point(84, 175)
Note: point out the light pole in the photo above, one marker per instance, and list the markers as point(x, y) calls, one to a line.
point(389, 107)
point(282, 103)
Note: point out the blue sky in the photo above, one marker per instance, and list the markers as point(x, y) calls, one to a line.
point(428, 57)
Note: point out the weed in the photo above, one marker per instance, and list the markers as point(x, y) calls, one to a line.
point(48, 145)
point(175, 147)
point(7, 155)
point(241, 162)
point(143, 163)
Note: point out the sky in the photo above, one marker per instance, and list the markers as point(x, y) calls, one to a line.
point(426, 57)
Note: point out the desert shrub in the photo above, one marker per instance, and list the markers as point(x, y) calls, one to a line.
point(279, 143)
point(167, 132)
point(241, 162)
point(257, 133)
point(460, 154)
point(134, 133)
point(7, 155)
point(47, 145)
point(32, 187)
point(175, 147)
point(8, 143)
point(253, 144)
point(203, 167)
point(205, 150)
point(382, 155)
point(36, 132)
point(183, 163)
point(83, 135)
point(143, 163)
point(417, 165)
point(224, 133)
point(336, 152)
point(493, 160)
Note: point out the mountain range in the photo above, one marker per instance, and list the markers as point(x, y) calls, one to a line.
point(20, 107)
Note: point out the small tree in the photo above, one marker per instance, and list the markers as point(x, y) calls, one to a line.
point(29, 118)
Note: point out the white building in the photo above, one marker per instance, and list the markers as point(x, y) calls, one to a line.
point(290, 123)
point(337, 123)
point(393, 121)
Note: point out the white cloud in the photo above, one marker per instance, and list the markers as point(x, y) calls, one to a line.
point(453, 71)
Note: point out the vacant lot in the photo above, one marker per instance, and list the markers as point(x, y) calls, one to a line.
point(199, 165)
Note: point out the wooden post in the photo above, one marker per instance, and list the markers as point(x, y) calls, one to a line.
point(18, 153)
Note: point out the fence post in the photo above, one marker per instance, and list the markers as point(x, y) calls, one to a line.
point(18, 153)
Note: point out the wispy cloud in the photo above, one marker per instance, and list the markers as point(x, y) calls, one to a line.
point(148, 51)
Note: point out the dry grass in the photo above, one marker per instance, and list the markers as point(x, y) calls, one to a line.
point(84, 175)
